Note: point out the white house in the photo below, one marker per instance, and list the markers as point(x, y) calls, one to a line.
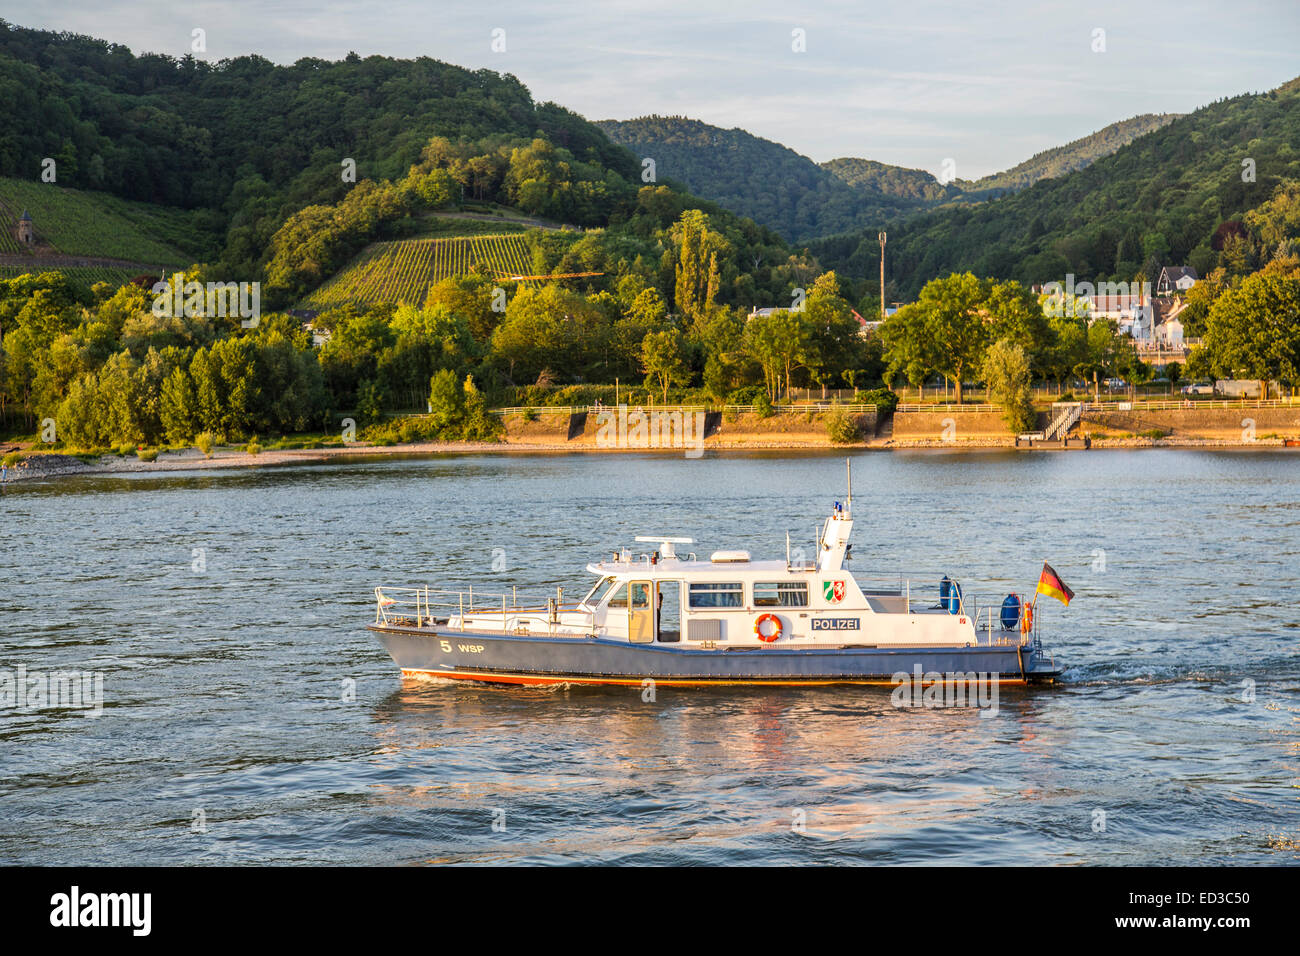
point(1171, 333)
point(1131, 313)
point(1168, 327)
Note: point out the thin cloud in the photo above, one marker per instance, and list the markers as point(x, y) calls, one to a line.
point(894, 82)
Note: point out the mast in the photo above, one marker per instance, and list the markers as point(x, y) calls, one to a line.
point(848, 505)
point(833, 536)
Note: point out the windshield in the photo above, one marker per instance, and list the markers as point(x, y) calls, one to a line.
point(602, 585)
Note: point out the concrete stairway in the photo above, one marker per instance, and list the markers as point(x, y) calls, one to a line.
point(1067, 417)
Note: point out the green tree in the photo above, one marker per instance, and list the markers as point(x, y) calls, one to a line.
point(946, 330)
point(663, 359)
point(777, 342)
point(235, 363)
point(1200, 299)
point(479, 424)
point(1102, 355)
point(1254, 331)
point(842, 428)
point(370, 402)
point(1068, 349)
point(552, 328)
point(1016, 315)
point(446, 401)
point(470, 297)
point(835, 344)
point(179, 407)
point(699, 250)
point(436, 188)
point(1006, 372)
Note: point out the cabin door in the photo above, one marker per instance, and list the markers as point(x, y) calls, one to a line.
point(668, 612)
point(640, 613)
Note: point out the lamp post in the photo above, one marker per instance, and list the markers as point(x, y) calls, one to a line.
point(882, 275)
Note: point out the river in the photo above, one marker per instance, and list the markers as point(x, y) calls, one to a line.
point(249, 717)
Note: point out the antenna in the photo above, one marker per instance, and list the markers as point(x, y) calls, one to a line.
point(666, 544)
point(848, 505)
point(787, 550)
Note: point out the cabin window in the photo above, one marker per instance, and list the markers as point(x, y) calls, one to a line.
point(620, 597)
point(781, 594)
point(717, 595)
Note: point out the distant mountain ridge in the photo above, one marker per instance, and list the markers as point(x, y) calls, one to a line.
point(873, 176)
point(755, 177)
point(779, 188)
point(1169, 197)
point(1074, 155)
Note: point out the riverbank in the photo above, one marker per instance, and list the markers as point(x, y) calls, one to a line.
point(47, 465)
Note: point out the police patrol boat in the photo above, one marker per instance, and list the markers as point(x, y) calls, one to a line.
point(727, 619)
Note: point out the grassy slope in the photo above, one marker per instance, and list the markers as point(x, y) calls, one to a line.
point(78, 223)
point(445, 227)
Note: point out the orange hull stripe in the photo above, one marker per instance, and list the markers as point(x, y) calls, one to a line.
point(533, 680)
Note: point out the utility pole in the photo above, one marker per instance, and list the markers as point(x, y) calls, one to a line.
point(882, 275)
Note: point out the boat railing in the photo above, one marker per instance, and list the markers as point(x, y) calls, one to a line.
point(927, 596)
point(988, 619)
point(930, 596)
point(424, 607)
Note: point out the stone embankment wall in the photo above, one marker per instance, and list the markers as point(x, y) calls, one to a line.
point(721, 429)
point(949, 426)
point(1213, 423)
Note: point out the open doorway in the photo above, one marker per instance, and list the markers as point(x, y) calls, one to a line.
point(669, 604)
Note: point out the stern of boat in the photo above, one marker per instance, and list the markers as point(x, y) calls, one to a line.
point(1037, 664)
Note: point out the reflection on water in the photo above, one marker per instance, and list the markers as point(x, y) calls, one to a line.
point(227, 688)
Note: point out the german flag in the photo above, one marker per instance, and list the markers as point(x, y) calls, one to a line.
point(1050, 583)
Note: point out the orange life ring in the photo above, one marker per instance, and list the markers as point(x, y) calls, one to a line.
point(758, 628)
point(1027, 619)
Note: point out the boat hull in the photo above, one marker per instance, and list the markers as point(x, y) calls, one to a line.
point(519, 659)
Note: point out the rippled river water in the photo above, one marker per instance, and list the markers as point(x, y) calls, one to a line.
point(226, 612)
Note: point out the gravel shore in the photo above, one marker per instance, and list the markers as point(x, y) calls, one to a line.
point(40, 466)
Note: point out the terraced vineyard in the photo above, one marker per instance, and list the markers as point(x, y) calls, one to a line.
point(402, 271)
point(78, 223)
point(8, 234)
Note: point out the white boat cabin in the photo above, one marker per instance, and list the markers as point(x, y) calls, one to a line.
point(730, 600)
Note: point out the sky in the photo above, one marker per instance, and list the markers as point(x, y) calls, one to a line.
point(964, 89)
